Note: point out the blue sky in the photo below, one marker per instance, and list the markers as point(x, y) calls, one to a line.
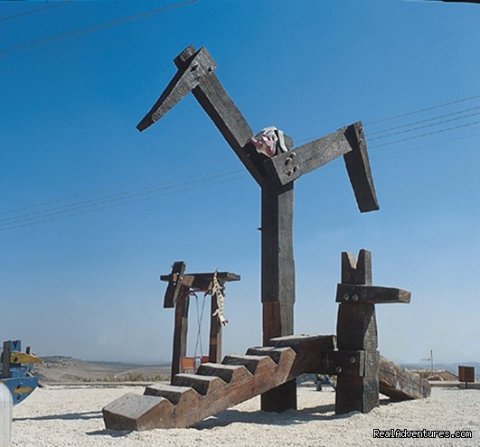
point(92, 211)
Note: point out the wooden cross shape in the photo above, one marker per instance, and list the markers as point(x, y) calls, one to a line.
point(276, 178)
point(357, 339)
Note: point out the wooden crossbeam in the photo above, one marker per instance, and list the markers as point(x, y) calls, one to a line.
point(359, 293)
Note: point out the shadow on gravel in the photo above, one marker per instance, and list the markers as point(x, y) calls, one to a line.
point(65, 417)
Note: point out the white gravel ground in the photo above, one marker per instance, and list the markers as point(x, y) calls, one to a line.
point(71, 416)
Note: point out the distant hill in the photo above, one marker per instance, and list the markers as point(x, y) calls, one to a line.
point(59, 369)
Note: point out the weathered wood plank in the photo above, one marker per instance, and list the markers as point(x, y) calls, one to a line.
point(225, 114)
point(358, 168)
point(342, 362)
point(277, 280)
point(189, 75)
point(201, 384)
point(189, 279)
point(309, 351)
point(351, 293)
point(289, 166)
point(215, 339)
point(174, 283)
point(226, 372)
point(400, 384)
point(357, 331)
point(136, 412)
point(180, 330)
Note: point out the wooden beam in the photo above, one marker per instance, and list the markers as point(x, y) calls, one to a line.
point(180, 330)
point(400, 384)
point(224, 113)
point(278, 282)
point(357, 331)
point(6, 354)
point(358, 168)
point(174, 284)
point(289, 166)
point(215, 345)
point(199, 65)
point(197, 281)
point(342, 362)
point(353, 293)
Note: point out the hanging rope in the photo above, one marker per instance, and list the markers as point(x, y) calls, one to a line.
point(198, 341)
point(217, 291)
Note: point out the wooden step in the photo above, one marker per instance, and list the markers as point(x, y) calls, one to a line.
point(273, 353)
point(227, 373)
point(201, 384)
point(216, 387)
point(251, 362)
point(170, 392)
point(137, 412)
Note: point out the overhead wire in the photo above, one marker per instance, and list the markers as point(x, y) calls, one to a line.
point(112, 199)
point(40, 213)
point(414, 129)
point(33, 11)
point(79, 32)
point(51, 218)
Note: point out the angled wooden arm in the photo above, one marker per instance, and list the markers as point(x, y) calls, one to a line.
point(195, 74)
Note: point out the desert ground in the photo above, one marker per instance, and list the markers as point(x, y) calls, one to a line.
point(61, 416)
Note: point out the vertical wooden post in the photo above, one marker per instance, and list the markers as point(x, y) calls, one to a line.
point(181, 329)
point(357, 330)
point(6, 360)
point(215, 349)
point(278, 282)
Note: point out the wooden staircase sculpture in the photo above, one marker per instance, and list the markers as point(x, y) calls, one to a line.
point(216, 387)
point(361, 373)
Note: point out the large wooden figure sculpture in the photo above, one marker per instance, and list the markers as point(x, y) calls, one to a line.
point(276, 177)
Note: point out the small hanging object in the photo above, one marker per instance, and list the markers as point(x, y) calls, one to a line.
point(217, 290)
point(269, 141)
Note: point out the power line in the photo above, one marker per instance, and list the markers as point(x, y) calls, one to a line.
point(427, 109)
point(413, 129)
point(377, 156)
point(403, 126)
point(113, 205)
point(448, 129)
point(91, 29)
point(385, 131)
point(111, 199)
point(33, 11)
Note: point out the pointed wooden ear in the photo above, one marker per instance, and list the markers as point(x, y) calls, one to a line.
point(349, 267)
point(357, 271)
point(364, 267)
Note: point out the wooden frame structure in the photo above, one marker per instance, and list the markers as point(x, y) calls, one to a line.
point(275, 176)
point(179, 289)
point(352, 356)
point(270, 370)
